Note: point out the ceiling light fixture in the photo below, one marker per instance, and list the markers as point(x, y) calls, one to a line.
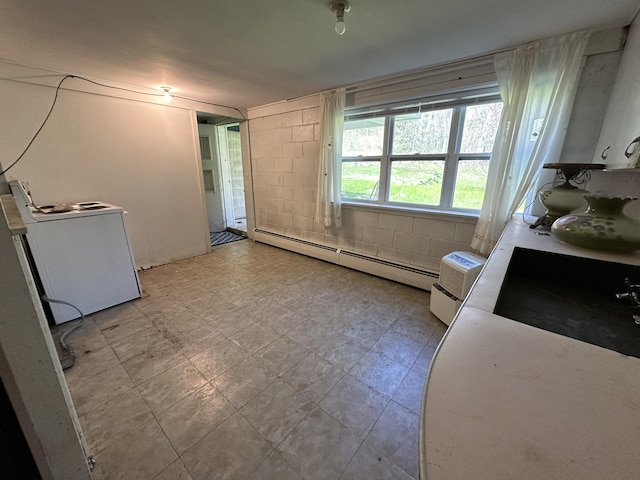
point(167, 95)
point(340, 7)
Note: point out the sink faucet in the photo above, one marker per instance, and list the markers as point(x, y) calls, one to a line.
point(632, 295)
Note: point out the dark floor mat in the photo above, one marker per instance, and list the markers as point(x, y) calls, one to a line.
point(219, 238)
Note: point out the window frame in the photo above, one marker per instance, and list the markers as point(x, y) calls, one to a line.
point(451, 157)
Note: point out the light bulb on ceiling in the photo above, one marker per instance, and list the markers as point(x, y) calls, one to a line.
point(340, 8)
point(167, 95)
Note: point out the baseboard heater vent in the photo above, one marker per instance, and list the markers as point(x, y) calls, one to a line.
point(398, 272)
point(304, 247)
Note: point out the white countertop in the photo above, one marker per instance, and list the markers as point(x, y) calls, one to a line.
point(505, 400)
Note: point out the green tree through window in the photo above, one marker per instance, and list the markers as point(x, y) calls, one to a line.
point(436, 158)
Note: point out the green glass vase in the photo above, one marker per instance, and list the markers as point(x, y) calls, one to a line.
point(602, 227)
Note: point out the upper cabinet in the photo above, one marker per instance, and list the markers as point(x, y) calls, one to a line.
point(622, 121)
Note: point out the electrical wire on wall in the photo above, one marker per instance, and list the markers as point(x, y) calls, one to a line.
point(55, 99)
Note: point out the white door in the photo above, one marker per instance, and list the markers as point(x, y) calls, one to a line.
point(225, 169)
point(214, 195)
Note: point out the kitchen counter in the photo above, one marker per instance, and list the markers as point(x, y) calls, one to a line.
point(505, 400)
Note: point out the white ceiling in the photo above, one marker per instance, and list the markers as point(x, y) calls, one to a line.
point(246, 53)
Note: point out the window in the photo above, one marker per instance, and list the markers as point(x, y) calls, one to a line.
point(436, 158)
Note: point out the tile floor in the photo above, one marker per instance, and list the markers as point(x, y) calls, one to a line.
point(255, 363)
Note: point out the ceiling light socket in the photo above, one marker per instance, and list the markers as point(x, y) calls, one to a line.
point(166, 90)
point(340, 7)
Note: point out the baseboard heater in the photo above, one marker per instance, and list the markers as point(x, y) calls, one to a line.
point(398, 272)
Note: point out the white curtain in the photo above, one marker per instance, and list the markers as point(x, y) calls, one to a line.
point(537, 85)
point(328, 201)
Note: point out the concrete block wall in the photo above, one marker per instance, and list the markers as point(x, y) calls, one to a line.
point(284, 150)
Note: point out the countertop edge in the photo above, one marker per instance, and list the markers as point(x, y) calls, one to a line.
point(12, 215)
point(480, 303)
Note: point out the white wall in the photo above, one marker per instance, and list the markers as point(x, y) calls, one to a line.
point(131, 152)
point(284, 160)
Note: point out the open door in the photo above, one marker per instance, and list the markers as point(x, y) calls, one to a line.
point(211, 172)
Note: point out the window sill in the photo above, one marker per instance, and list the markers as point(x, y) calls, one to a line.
point(457, 215)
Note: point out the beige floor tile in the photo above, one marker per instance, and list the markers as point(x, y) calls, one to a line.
point(319, 447)
point(380, 372)
point(438, 332)
point(114, 419)
point(231, 451)
point(395, 435)
point(276, 411)
point(281, 354)
point(175, 471)
point(95, 390)
point(275, 467)
point(171, 386)
point(365, 332)
point(334, 316)
point(244, 381)
point(153, 361)
point(310, 334)
point(218, 359)
point(281, 319)
point(191, 343)
point(380, 313)
point(398, 347)
point(409, 394)
point(254, 337)
point(342, 351)
point(289, 294)
point(232, 321)
point(122, 327)
point(419, 329)
point(188, 421)
point(368, 464)
point(140, 455)
point(91, 362)
point(423, 362)
point(117, 314)
point(184, 321)
point(314, 377)
point(337, 321)
point(138, 343)
point(355, 405)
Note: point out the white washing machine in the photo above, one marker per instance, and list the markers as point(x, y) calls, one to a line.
point(81, 253)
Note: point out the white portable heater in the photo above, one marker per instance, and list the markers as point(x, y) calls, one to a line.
point(458, 271)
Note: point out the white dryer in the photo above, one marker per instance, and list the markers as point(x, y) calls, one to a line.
point(81, 254)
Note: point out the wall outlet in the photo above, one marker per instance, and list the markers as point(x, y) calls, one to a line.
point(279, 179)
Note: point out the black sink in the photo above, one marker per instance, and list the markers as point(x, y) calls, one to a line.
point(571, 296)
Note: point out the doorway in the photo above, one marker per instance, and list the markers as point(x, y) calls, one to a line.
point(221, 156)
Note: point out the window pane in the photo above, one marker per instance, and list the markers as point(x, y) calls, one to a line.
point(422, 133)
point(360, 180)
point(480, 127)
point(416, 182)
point(363, 137)
point(470, 184)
